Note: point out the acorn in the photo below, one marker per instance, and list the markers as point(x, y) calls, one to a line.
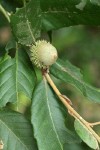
point(43, 54)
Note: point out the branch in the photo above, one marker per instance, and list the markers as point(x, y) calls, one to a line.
point(65, 101)
point(94, 124)
point(5, 13)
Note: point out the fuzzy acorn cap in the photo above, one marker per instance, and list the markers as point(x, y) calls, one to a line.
point(43, 54)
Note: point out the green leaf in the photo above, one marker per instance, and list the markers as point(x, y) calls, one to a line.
point(71, 74)
point(22, 105)
point(16, 131)
point(58, 14)
point(28, 21)
point(16, 75)
point(48, 120)
point(10, 45)
point(79, 146)
point(86, 135)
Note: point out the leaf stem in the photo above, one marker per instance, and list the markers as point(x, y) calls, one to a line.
point(5, 13)
point(70, 109)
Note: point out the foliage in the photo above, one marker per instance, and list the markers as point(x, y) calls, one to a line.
point(45, 127)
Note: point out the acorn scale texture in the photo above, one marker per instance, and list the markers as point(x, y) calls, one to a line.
point(43, 54)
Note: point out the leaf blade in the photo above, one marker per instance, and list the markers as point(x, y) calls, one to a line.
point(85, 135)
point(68, 73)
point(48, 120)
point(68, 13)
point(26, 23)
point(16, 131)
point(16, 75)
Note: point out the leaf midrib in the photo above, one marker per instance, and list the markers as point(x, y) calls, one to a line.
point(16, 75)
point(51, 115)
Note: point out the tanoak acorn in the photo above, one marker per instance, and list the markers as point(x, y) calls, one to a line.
point(43, 54)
